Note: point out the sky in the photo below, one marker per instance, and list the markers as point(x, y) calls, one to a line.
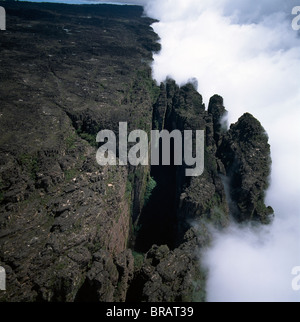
point(130, 2)
point(247, 52)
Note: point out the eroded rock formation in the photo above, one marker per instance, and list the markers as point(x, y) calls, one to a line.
point(74, 231)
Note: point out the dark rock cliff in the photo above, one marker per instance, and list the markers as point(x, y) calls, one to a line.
point(74, 231)
point(245, 153)
point(237, 160)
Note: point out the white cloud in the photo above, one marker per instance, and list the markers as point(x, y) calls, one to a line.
point(243, 267)
point(249, 54)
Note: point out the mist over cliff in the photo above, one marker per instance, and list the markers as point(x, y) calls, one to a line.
point(248, 53)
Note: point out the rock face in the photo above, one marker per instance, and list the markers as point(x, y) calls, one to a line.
point(237, 160)
point(74, 231)
point(245, 152)
point(68, 72)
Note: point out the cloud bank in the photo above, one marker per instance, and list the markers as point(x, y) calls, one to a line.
point(248, 53)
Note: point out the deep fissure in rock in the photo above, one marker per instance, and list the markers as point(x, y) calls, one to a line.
point(157, 223)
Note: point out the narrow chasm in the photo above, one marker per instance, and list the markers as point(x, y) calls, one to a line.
point(157, 224)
